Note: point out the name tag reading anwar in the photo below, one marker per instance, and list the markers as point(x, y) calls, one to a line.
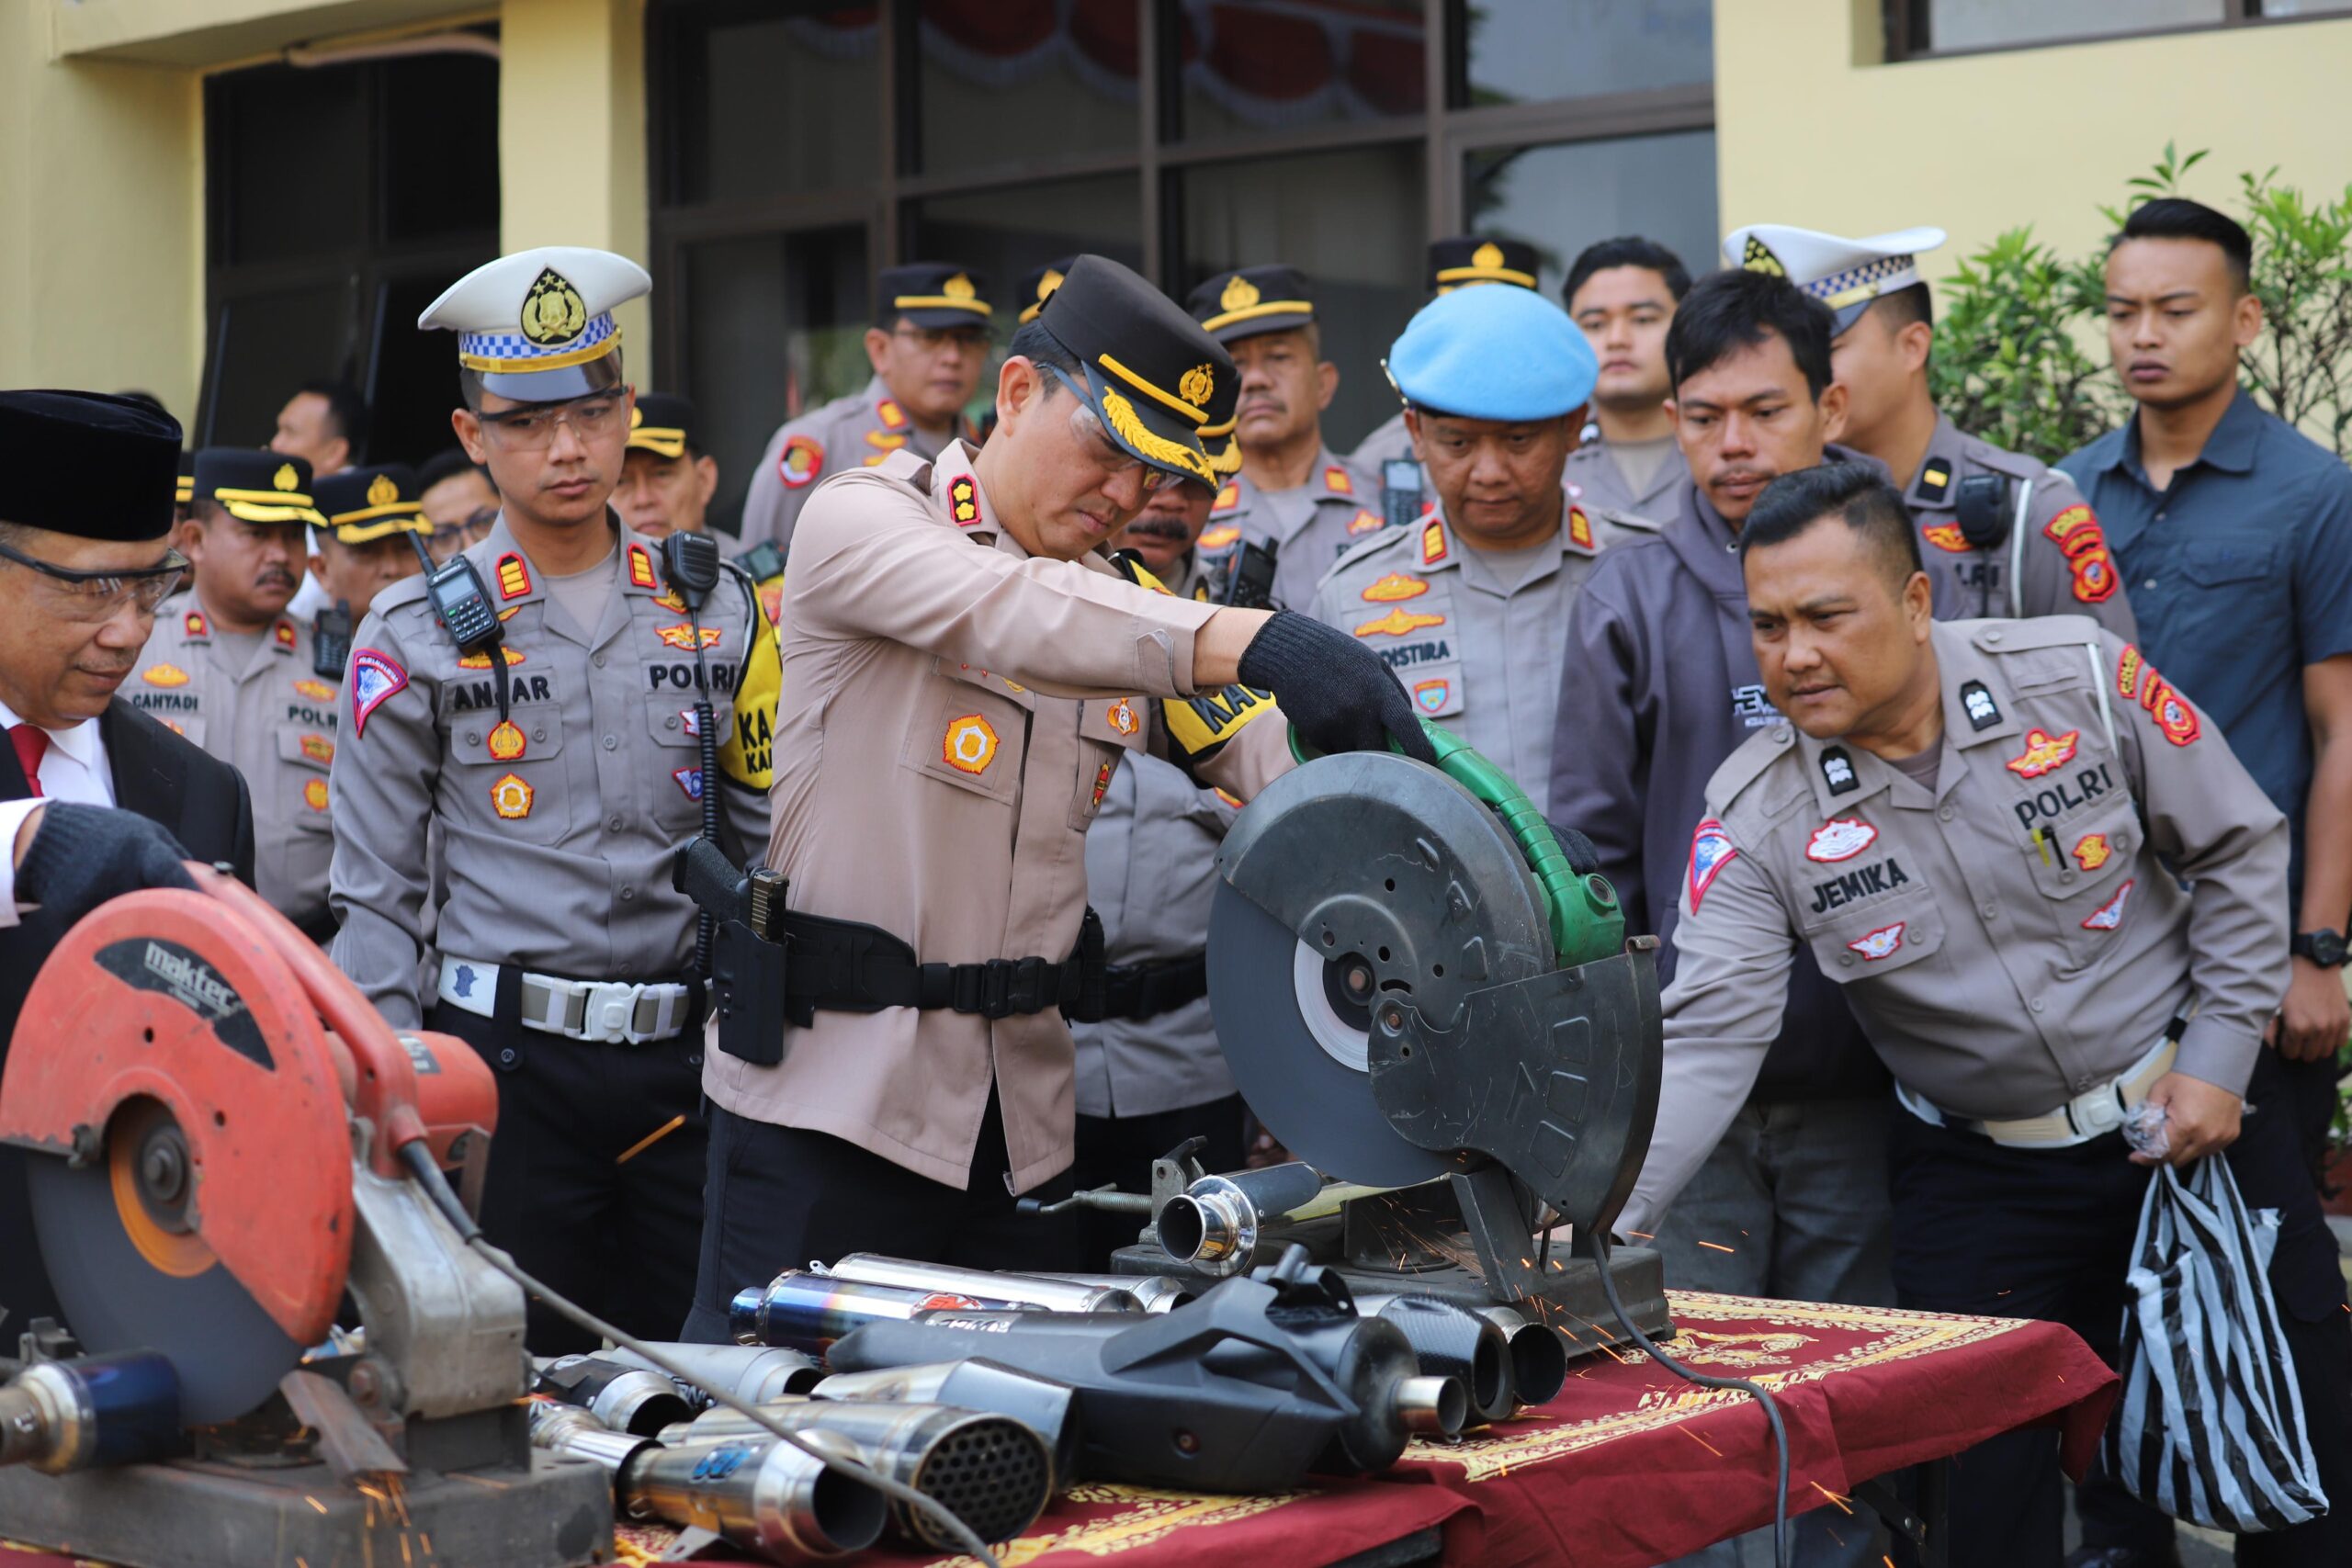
point(1199, 725)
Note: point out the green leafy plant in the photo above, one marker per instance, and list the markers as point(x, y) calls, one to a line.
point(2018, 358)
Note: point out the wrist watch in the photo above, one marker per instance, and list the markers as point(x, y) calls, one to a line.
point(2325, 948)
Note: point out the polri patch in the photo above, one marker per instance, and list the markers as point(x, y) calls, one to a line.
point(689, 781)
point(163, 675)
point(319, 749)
point(195, 625)
point(1976, 702)
point(2092, 850)
point(376, 678)
point(1394, 587)
point(682, 637)
point(314, 794)
point(1837, 771)
point(969, 745)
point(506, 742)
point(1432, 542)
point(282, 636)
point(513, 656)
point(964, 501)
point(1101, 782)
point(1397, 623)
point(1364, 521)
point(317, 691)
point(1432, 694)
point(799, 462)
point(1711, 850)
point(1122, 714)
point(1947, 536)
point(640, 566)
point(1336, 480)
point(1934, 482)
point(1579, 528)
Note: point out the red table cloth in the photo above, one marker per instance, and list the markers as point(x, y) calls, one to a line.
point(1628, 1467)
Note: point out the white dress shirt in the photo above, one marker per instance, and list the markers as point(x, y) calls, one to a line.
point(74, 768)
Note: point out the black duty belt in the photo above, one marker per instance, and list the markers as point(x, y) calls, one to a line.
point(1136, 991)
point(850, 966)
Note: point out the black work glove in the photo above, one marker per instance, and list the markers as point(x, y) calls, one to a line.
point(83, 855)
point(1583, 859)
point(1338, 693)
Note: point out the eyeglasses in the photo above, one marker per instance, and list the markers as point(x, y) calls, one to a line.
point(97, 595)
point(533, 426)
point(1110, 457)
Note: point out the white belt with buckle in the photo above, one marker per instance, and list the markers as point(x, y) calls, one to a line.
point(2093, 1114)
point(612, 1012)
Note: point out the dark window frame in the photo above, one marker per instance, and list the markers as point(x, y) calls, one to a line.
point(1447, 131)
point(1907, 37)
point(364, 271)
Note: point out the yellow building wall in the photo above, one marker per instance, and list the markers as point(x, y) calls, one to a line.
point(101, 190)
point(1812, 131)
point(102, 245)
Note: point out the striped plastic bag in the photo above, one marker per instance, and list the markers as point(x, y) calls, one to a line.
point(2210, 1428)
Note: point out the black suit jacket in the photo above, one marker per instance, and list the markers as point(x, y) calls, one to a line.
point(203, 801)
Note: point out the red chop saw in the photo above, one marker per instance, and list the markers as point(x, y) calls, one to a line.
point(217, 1120)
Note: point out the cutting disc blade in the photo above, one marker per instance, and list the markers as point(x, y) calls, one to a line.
point(179, 1302)
point(1297, 1048)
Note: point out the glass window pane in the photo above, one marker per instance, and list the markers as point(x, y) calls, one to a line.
point(776, 325)
point(1533, 51)
point(1991, 24)
point(772, 105)
point(1354, 222)
point(1012, 81)
point(292, 147)
point(440, 168)
point(265, 346)
point(1278, 64)
point(1004, 233)
point(412, 384)
point(2302, 7)
point(1566, 195)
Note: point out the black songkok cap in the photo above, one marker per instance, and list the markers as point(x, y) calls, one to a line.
point(89, 464)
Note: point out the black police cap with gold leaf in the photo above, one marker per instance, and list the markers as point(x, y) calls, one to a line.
point(1465, 259)
point(365, 505)
point(89, 464)
point(256, 485)
point(1038, 282)
point(1234, 305)
point(664, 425)
point(1157, 378)
point(936, 296)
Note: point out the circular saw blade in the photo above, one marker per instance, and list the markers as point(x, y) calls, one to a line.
point(228, 1352)
point(1278, 1028)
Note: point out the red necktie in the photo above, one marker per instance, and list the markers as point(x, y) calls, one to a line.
point(31, 742)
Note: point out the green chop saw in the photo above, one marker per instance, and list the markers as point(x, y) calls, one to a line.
point(1420, 997)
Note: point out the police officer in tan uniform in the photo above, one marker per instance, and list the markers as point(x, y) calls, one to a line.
point(2051, 895)
point(1470, 607)
point(2002, 534)
point(230, 668)
point(364, 548)
point(564, 768)
point(1285, 490)
point(1457, 261)
point(964, 672)
point(929, 345)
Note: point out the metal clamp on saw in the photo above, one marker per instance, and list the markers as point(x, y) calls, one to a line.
point(1415, 991)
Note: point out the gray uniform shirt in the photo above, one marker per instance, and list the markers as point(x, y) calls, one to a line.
point(1478, 651)
point(558, 826)
point(1391, 440)
point(1595, 481)
point(1150, 874)
point(1308, 527)
point(2056, 562)
point(857, 431)
point(2023, 933)
point(261, 708)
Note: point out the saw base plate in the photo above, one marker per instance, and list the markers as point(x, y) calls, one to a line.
point(192, 1514)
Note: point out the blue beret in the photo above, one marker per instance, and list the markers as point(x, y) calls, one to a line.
point(1505, 353)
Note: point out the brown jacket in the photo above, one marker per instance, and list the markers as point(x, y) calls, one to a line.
point(954, 713)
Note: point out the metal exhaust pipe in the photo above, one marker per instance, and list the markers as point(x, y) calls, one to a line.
point(1453, 1341)
point(764, 1496)
point(91, 1411)
point(1435, 1407)
point(622, 1397)
point(1213, 1225)
point(991, 1472)
point(1539, 1356)
point(1046, 1407)
point(1158, 1292)
point(754, 1373)
point(809, 1312)
point(982, 1285)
